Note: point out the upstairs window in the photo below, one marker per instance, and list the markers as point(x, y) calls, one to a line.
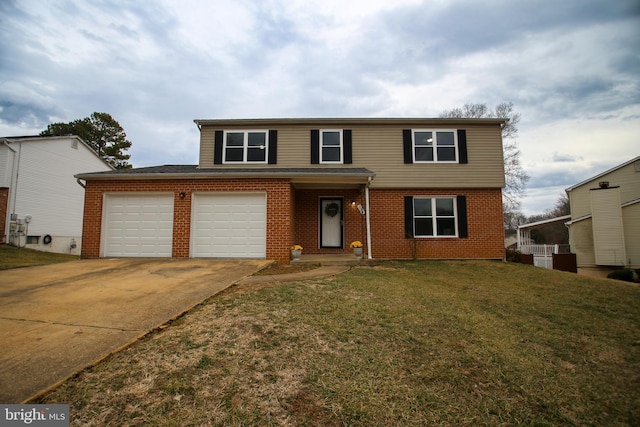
point(246, 146)
point(434, 146)
point(330, 146)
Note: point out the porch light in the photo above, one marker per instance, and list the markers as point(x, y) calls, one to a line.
point(353, 203)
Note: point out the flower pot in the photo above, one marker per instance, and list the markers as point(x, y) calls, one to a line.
point(357, 252)
point(296, 253)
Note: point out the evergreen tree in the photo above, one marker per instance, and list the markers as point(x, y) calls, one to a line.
point(102, 133)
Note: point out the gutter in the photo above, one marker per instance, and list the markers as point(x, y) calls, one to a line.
point(223, 174)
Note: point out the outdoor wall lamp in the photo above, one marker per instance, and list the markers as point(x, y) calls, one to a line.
point(181, 195)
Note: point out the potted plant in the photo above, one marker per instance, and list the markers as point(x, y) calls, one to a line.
point(296, 252)
point(357, 248)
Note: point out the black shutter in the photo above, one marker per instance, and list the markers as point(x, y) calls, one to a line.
point(463, 229)
point(273, 147)
point(407, 145)
point(462, 146)
point(408, 217)
point(315, 146)
point(217, 147)
point(347, 147)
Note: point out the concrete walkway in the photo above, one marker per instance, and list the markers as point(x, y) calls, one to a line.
point(56, 320)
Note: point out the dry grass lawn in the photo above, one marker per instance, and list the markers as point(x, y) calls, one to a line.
point(12, 257)
point(403, 343)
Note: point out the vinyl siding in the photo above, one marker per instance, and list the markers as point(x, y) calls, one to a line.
point(628, 178)
point(379, 147)
point(631, 220)
point(608, 231)
point(581, 241)
point(47, 189)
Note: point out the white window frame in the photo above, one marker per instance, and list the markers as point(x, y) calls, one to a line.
point(434, 133)
point(434, 217)
point(245, 146)
point(341, 146)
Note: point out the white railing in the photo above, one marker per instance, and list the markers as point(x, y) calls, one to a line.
point(540, 250)
point(543, 254)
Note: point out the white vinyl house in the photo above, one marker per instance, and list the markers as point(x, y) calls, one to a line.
point(41, 202)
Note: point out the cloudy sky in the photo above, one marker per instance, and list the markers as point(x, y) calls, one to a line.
point(571, 68)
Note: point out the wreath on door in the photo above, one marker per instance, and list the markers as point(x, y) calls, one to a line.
point(332, 209)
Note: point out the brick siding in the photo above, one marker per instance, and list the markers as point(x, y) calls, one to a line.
point(279, 212)
point(293, 218)
point(307, 219)
point(484, 219)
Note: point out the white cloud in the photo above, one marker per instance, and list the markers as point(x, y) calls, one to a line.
point(571, 69)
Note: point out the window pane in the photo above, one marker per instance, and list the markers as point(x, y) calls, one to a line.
point(446, 154)
point(331, 154)
point(234, 154)
point(446, 226)
point(255, 154)
point(422, 207)
point(424, 154)
point(444, 207)
point(445, 138)
point(423, 227)
point(330, 138)
point(235, 139)
point(257, 139)
point(423, 138)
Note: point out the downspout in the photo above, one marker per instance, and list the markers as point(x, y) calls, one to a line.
point(81, 184)
point(10, 206)
point(368, 218)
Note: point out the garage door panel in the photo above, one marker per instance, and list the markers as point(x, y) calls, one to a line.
point(138, 225)
point(229, 225)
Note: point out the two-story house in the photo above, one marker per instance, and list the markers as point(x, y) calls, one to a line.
point(406, 188)
point(41, 203)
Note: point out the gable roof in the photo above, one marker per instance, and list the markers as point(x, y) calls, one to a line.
point(573, 187)
point(38, 138)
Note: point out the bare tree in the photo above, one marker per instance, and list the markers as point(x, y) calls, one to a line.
point(515, 177)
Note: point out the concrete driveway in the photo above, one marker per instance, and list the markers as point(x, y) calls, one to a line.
point(58, 319)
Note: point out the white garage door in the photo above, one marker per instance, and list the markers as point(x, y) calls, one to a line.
point(229, 225)
point(138, 225)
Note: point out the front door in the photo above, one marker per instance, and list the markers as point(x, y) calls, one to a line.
point(331, 223)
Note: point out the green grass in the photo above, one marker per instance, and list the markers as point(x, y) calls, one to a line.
point(404, 343)
point(12, 257)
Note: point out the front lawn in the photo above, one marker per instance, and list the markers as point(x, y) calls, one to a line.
point(12, 257)
point(403, 343)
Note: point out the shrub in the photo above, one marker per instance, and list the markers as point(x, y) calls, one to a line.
point(625, 274)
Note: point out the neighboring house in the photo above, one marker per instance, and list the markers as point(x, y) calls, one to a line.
point(604, 229)
point(406, 188)
point(41, 203)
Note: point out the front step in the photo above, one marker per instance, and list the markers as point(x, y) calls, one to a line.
point(331, 259)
